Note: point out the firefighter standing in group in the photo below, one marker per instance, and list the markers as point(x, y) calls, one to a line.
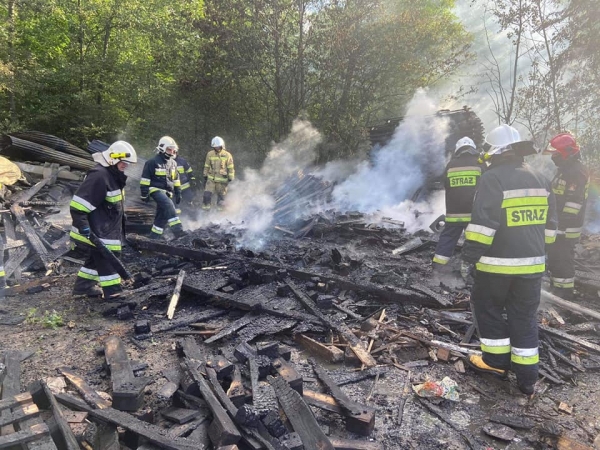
point(513, 217)
point(187, 179)
point(160, 182)
point(460, 183)
point(218, 173)
point(570, 186)
point(97, 207)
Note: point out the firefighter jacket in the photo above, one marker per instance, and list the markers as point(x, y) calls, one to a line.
point(462, 176)
point(219, 166)
point(570, 186)
point(160, 174)
point(98, 204)
point(513, 217)
point(186, 174)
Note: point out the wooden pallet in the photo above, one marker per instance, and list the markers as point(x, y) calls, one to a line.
point(16, 412)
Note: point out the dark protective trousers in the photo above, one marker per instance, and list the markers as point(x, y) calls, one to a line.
point(561, 256)
point(447, 242)
point(510, 342)
point(96, 269)
point(165, 214)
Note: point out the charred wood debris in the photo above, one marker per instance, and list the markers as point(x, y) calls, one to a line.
point(267, 340)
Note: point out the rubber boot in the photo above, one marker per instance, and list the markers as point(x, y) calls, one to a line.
point(476, 363)
point(88, 288)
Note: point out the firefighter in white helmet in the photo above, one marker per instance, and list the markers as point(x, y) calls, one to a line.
point(97, 207)
point(513, 218)
point(460, 183)
point(160, 182)
point(218, 173)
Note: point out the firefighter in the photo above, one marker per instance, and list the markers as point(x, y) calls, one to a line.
point(570, 186)
point(160, 182)
point(97, 207)
point(460, 182)
point(218, 173)
point(513, 217)
point(187, 179)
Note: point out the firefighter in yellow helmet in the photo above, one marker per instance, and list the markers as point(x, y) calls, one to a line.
point(218, 173)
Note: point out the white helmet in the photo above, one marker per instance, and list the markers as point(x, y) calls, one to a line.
point(167, 143)
point(465, 144)
point(217, 142)
point(500, 139)
point(119, 151)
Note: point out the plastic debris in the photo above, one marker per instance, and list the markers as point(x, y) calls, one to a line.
point(447, 388)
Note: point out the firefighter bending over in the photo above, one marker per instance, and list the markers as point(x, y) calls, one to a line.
point(462, 175)
point(218, 173)
point(570, 186)
point(160, 182)
point(513, 217)
point(97, 207)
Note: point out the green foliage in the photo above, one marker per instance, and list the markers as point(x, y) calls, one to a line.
point(241, 69)
point(50, 319)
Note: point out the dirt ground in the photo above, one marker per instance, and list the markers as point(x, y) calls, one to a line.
point(75, 344)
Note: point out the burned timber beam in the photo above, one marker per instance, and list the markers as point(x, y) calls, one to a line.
point(395, 295)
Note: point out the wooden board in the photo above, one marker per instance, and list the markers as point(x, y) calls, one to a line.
point(127, 390)
point(328, 353)
point(70, 441)
point(88, 394)
point(361, 417)
point(300, 416)
point(122, 419)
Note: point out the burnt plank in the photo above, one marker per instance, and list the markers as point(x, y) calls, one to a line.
point(328, 353)
point(15, 258)
point(11, 385)
point(362, 416)
point(125, 420)
point(31, 434)
point(289, 373)
point(351, 444)
point(70, 441)
point(180, 415)
point(236, 391)
point(18, 414)
point(231, 328)
point(169, 249)
point(222, 430)
point(340, 326)
point(176, 295)
point(32, 236)
point(434, 295)
point(127, 390)
point(568, 337)
point(89, 395)
point(17, 400)
point(300, 416)
point(206, 314)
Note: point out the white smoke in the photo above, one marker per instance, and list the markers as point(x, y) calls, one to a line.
point(250, 202)
point(397, 170)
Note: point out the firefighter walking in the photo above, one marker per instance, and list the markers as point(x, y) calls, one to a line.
point(570, 186)
point(460, 182)
point(160, 182)
point(218, 173)
point(97, 207)
point(513, 217)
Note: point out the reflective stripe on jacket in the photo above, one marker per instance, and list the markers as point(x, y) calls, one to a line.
point(186, 173)
point(219, 166)
point(461, 179)
point(159, 174)
point(570, 186)
point(98, 204)
point(514, 216)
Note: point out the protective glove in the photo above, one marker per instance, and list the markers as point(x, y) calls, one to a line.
point(193, 183)
point(146, 199)
point(177, 198)
point(205, 178)
point(169, 194)
point(85, 232)
point(467, 272)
